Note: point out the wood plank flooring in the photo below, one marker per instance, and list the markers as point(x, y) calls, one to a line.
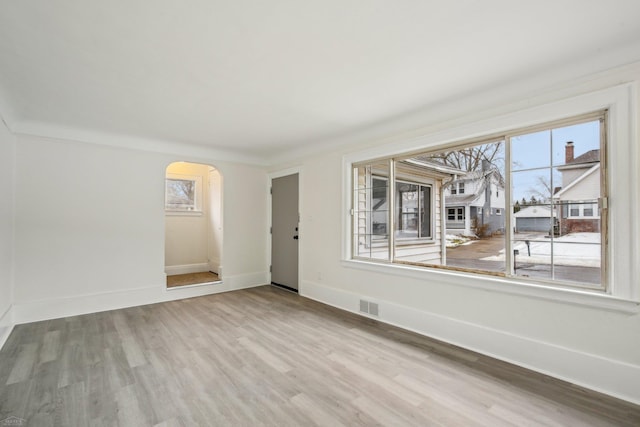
point(264, 356)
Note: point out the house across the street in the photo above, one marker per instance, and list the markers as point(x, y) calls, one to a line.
point(577, 201)
point(475, 199)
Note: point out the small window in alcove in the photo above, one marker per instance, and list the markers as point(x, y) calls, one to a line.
point(183, 193)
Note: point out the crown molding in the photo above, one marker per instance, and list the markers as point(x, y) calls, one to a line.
point(46, 130)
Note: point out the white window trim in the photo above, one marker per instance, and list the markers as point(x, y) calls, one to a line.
point(176, 212)
point(622, 161)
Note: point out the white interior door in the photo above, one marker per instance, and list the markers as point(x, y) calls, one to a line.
point(284, 231)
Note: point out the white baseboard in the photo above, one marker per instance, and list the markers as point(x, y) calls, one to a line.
point(54, 308)
point(172, 270)
point(6, 325)
point(241, 281)
point(4, 334)
point(214, 265)
point(612, 377)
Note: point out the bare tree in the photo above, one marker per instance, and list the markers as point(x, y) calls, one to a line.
point(180, 191)
point(470, 159)
point(542, 189)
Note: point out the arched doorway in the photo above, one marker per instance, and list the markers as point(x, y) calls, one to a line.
point(193, 224)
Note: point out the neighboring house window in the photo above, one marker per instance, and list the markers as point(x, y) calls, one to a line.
point(457, 188)
point(535, 165)
point(574, 210)
point(183, 193)
point(455, 218)
point(455, 214)
point(583, 210)
point(588, 210)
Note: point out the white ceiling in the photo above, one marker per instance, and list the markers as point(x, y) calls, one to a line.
point(262, 77)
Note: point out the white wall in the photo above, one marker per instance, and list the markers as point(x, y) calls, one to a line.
point(7, 146)
point(587, 189)
point(499, 200)
point(215, 222)
point(90, 228)
point(588, 345)
point(186, 235)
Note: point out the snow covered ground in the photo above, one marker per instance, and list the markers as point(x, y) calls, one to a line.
point(577, 249)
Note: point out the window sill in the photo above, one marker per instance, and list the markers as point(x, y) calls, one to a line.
point(182, 213)
point(408, 241)
point(595, 299)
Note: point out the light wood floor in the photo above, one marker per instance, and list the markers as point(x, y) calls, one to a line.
point(191, 279)
point(264, 356)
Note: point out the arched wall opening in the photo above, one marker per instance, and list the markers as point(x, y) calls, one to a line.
point(193, 224)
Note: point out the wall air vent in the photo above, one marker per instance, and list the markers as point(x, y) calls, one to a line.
point(364, 306)
point(373, 309)
point(368, 307)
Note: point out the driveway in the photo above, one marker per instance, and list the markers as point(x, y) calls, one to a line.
point(477, 248)
point(470, 256)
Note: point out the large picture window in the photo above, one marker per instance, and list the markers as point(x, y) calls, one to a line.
point(527, 204)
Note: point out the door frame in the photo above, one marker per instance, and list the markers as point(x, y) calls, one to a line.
point(270, 177)
point(205, 194)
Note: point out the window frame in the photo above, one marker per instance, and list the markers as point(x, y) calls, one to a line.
point(393, 179)
point(621, 163)
point(197, 206)
point(420, 237)
point(510, 241)
point(603, 116)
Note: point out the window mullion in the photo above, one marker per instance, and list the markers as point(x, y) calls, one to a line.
point(444, 216)
point(391, 197)
point(509, 220)
point(604, 195)
point(421, 210)
point(552, 234)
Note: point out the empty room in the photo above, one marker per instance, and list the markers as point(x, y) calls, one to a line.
point(330, 213)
